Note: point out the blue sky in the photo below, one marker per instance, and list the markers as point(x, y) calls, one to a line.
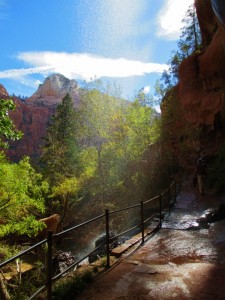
point(126, 41)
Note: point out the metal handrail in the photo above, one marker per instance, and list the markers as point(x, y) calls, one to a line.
point(22, 253)
point(78, 226)
point(151, 200)
point(128, 230)
point(170, 192)
point(123, 209)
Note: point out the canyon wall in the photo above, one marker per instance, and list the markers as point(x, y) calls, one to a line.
point(202, 76)
point(200, 92)
point(32, 115)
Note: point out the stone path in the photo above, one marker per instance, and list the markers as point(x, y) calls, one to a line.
point(172, 264)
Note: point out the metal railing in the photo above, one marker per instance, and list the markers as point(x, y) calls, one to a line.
point(149, 210)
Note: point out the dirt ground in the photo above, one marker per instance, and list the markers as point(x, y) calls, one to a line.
point(177, 262)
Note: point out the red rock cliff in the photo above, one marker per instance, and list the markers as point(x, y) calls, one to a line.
point(193, 112)
point(32, 121)
point(202, 75)
point(32, 115)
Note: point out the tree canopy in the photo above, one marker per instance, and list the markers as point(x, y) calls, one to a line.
point(22, 197)
point(60, 150)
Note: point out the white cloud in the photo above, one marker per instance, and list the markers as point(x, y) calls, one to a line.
point(79, 66)
point(170, 18)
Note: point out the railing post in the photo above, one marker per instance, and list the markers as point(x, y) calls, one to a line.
point(160, 210)
point(49, 266)
point(142, 223)
point(107, 236)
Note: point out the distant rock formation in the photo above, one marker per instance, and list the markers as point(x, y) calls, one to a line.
point(3, 92)
point(53, 90)
point(32, 115)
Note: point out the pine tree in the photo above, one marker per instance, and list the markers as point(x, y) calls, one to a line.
point(190, 39)
point(189, 42)
point(60, 152)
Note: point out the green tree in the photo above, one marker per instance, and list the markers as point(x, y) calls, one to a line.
point(118, 132)
point(22, 197)
point(190, 39)
point(66, 193)
point(143, 123)
point(61, 158)
point(96, 110)
point(7, 128)
point(61, 150)
point(143, 127)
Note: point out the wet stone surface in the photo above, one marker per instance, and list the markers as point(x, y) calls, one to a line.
point(183, 260)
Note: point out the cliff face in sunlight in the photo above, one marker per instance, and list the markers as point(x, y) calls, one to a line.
point(53, 90)
point(32, 115)
point(200, 93)
point(202, 76)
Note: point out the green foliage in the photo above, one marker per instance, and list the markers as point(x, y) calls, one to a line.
point(190, 39)
point(22, 195)
point(68, 186)
point(96, 113)
point(61, 157)
point(7, 128)
point(7, 251)
point(61, 151)
point(114, 134)
point(143, 129)
point(88, 153)
point(65, 195)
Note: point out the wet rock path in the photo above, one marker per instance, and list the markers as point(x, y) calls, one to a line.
point(181, 261)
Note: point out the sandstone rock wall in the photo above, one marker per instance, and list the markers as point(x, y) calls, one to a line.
point(202, 75)
point(32, 121)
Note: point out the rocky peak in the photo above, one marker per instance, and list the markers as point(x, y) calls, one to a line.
point(53, 90)
point(3, 92)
